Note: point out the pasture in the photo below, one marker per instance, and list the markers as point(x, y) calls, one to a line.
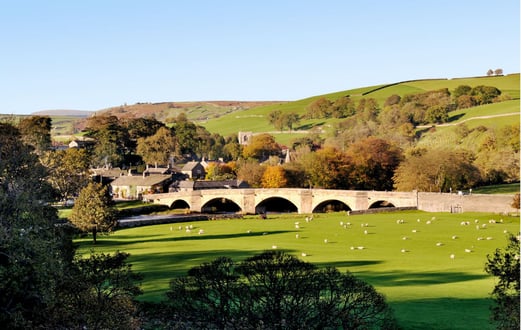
point(405, 255)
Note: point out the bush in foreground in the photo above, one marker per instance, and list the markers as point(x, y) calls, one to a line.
point(275, 290)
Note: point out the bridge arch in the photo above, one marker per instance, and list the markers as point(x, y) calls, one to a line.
point(220, 205)
point(381, 204)
point(179, 204)
point(276, 204)
point(331, 205)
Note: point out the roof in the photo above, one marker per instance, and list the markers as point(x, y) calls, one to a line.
point(190, 166)
point(210, 184)
point(139, 180)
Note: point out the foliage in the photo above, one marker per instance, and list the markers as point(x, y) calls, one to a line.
point(98, 293)
point(157, 148)
point(515, 201)
point(68, 170)
point(326, 168)
point(32, 248)
point(436, 170)
point(504, 264)
point(274, 177)
point(261, 147)
point(275, 290)
point(218, 171)
point(251, 171)
point(92, 211)
point(36, 132)
point(372, 163)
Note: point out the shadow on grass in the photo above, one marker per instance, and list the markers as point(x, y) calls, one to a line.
point(443, 313)
point(401, 278)
point(106, 241)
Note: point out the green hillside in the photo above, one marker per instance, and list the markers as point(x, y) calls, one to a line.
point(255, 119)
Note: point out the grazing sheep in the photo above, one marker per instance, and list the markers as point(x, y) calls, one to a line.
point(360, 248)
point(478, 227)
point(480, 238)
point(403, 250)
point(348, 223)
point(454, 237)
point(428, 222)
point(489, 238)
point(452, 256)
point(405, 238)
point(248, 231)
point(505, 231)
point(468, 250)
point(171, 228)
point(341, 223)
point(433, 218)
point(325, 240)
point(180, 227)
point(188, 230)
point(418, 220)
point(201, 231)
point(414, 231)
point(352, 248)
point(365, 232)
point(273, 246)
point(492, 221)
point(303, 254)
point(439, 244)
point(297, 236)
point(297, 227)
point(484, 225)
point(476, 221)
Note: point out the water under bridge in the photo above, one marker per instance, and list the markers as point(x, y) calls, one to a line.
point(262, 200)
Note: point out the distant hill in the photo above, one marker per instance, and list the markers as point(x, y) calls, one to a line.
point(64, 113)
point(195, 111)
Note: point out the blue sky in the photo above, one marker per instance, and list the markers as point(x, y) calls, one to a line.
point(94, 54)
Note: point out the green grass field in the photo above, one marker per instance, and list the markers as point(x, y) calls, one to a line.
point(426, 288)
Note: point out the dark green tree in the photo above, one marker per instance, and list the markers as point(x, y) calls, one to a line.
point(504, 264)
point(68, 170)
point(36, 132)
point(98, 293)
point(157, 148)
point(92, 211)
point(275, 290)
point(32, 249)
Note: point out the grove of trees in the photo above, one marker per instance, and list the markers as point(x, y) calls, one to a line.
point(274, 290)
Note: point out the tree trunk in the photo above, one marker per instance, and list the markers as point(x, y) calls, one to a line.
point(94, 234)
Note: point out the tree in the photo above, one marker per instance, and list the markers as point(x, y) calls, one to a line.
point(112, 140)
point(275, 290)
point(251, 171)
point(436, 170)
point(274, 177)
point(32, 247)
point(498, 72)
point(261, 147)
point(98, 293)
point(92, 211)
point(504, 264)
point(68, 170)
point(319, 108)
point(36, 132)
point(157, 148)
point(326, 168)
point(373, 162)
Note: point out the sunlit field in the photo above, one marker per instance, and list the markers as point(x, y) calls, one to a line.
point(406, 255)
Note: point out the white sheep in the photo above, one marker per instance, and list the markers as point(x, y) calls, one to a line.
point(468, 250)
point(484, 225)
point(476, 221)
point(341, 223)
point(491, 221)
point(352, 248)
point(365, 232)
point(414, 231)
point(201, 231)
point(303, 254)
point(360, 248)
point(452, 256)
point(325, 240)
point(439, 244)
point(274, 247)
point(405, 238)
point(480, 238)
point(403, 250)
point(454, 237)
point(489, 238)
point(428, 222)
point(297, 227)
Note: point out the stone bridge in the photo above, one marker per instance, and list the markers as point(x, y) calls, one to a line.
point(253, 201)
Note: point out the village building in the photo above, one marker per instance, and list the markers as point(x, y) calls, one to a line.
point(134, 186)
point(194, 170)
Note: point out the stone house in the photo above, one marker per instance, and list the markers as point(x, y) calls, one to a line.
point(194, 170)
point(134, 186)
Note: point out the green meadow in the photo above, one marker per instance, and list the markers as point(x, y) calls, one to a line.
point(409, 262)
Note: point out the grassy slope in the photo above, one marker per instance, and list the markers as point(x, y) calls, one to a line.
point(255, 119)
point(425, 287)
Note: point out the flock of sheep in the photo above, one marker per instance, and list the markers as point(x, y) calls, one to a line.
point(348, 225)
